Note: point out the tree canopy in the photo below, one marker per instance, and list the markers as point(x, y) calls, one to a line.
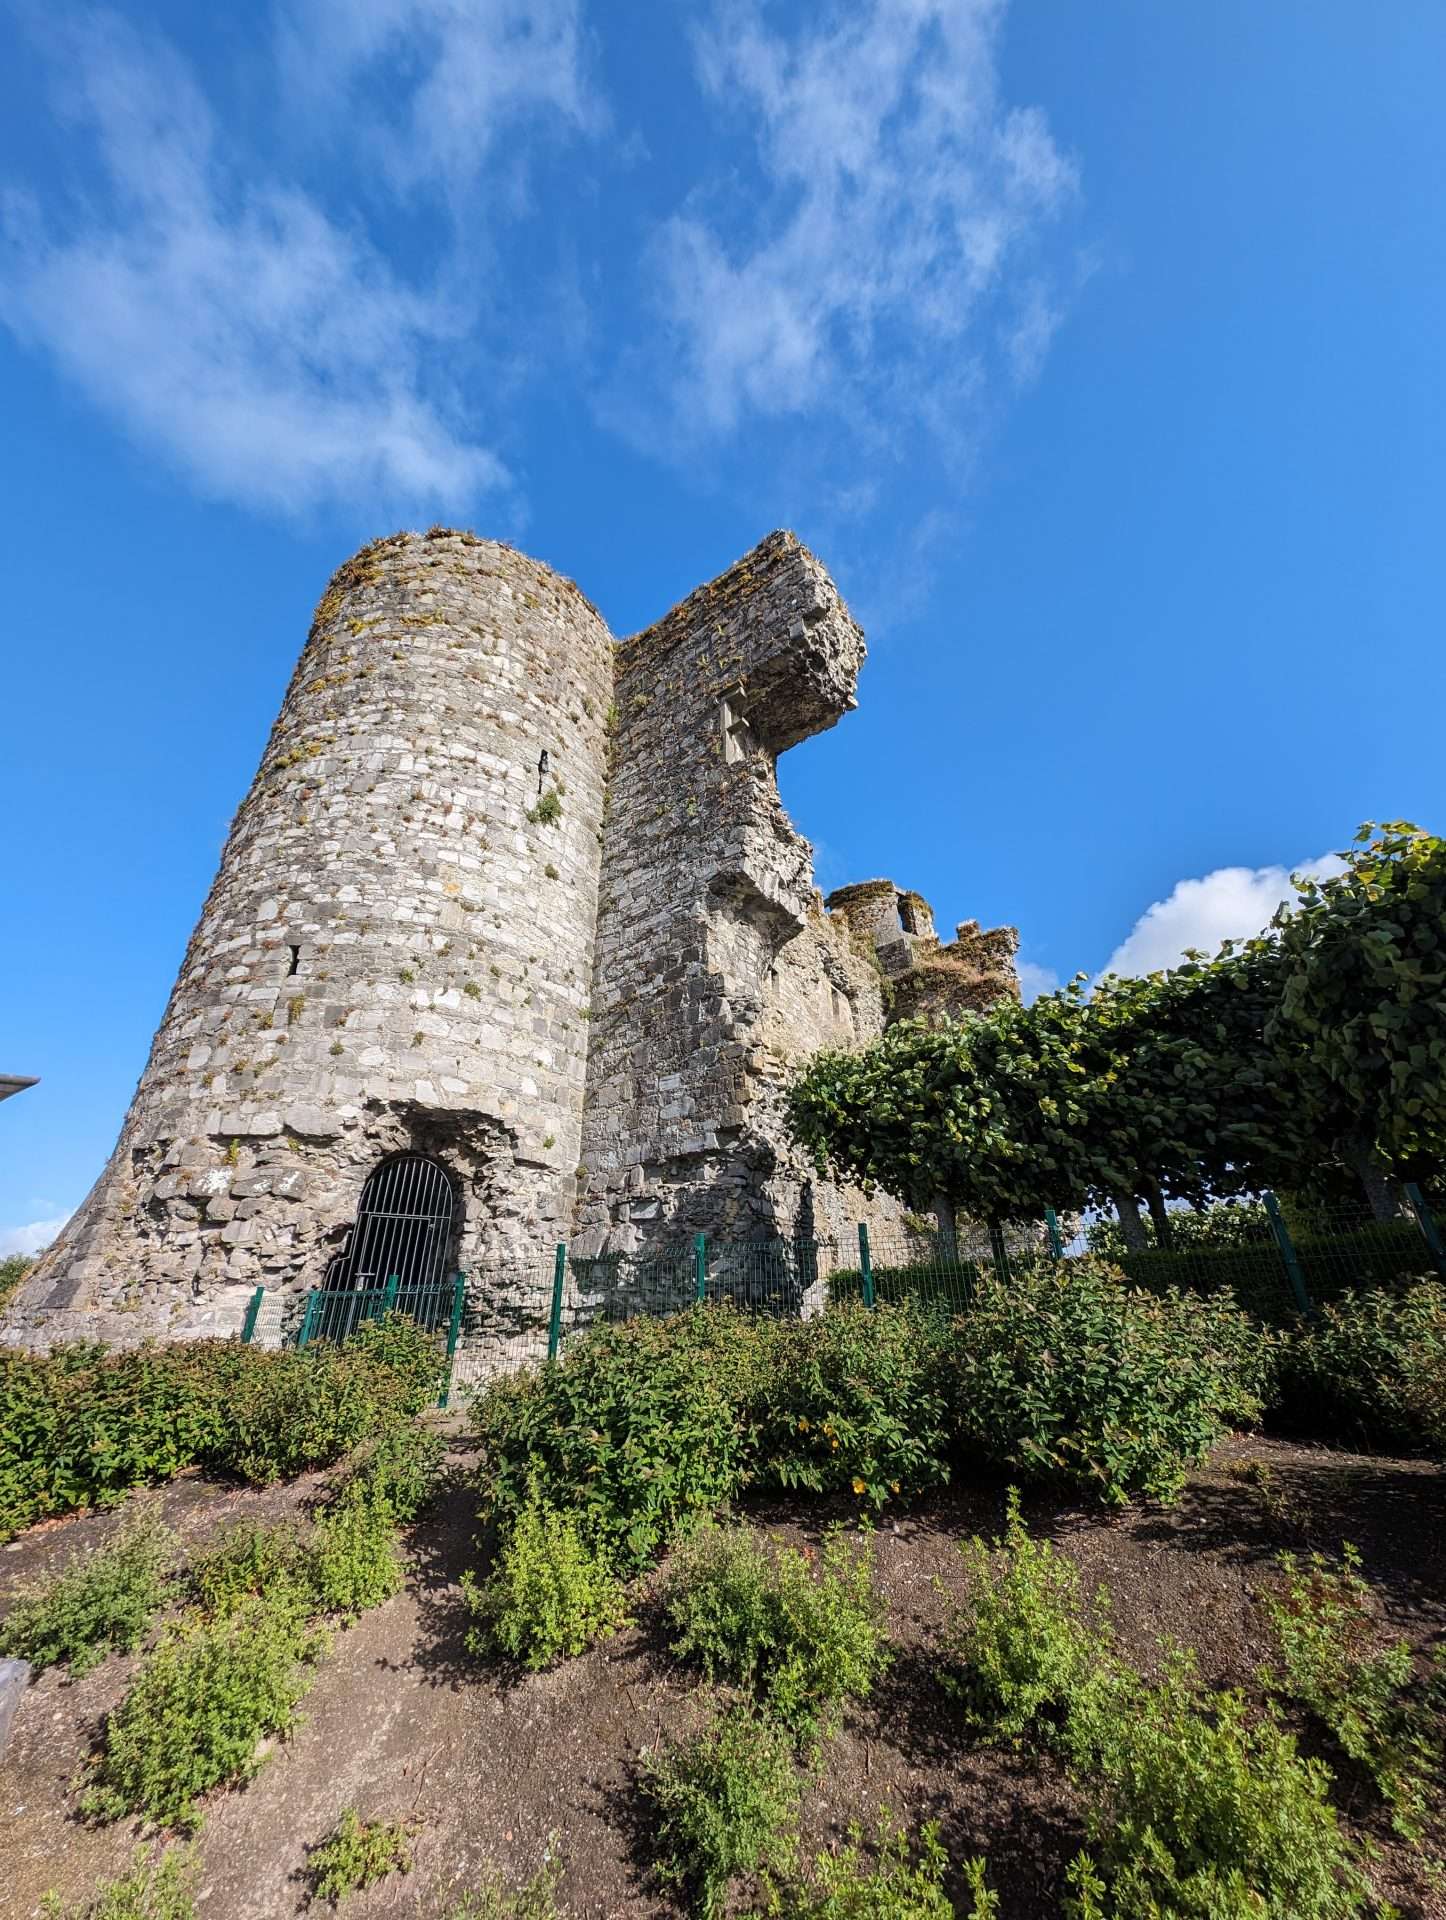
point(1361, 1011)
point(1322, 1041)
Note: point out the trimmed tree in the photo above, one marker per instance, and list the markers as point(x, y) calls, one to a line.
point(1360, 1020)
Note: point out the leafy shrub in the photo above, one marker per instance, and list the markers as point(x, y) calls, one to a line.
point(356, 1855)
point(853, 1401)
point(805, 1631)
point(726, 1803)
point(1360, 1692)
point(13, 1269)
point(163, 1891)
point(1372, 1370)
point(1068, 1375)
point(101, 1600)
point(396, 1469)
point(248, 1561)
point(550, 1594)
point(901, 1884)
point(635, 1428)
point(208, 1693)
point(350, 1562)
point(1198, 1814)
point(353, 1564)
point(1023, 1649)
point(81, 1427)
point(410, 1352)
point(306, 1409)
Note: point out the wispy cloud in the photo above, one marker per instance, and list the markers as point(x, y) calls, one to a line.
point(30, 1238)
point(445, 80)
point(225, 317)
point(1232, 903)
point(882, 262)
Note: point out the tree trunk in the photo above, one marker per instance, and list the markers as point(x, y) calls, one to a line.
point(948, 1237)
point(1132, 1227)
point(1159, 1212)
point(1379, 1188)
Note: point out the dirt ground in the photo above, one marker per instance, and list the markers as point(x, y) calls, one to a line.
point(505, 1773)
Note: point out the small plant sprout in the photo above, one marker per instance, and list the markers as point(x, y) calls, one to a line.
point(356, 1855)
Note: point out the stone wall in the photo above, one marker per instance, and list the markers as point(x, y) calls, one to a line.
point(716, 966)
point(392, 955)
point(926, 979)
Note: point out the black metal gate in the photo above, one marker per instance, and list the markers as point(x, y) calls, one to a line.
point(396, 1254)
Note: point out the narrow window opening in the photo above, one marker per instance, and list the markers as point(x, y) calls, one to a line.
point(295, 966)
point(906, 916)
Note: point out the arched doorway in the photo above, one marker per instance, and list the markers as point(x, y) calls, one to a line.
point(403, 1232)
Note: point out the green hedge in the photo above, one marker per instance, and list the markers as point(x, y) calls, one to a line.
point(81, 1426)
point(1385, 1253)
point(947, 1283)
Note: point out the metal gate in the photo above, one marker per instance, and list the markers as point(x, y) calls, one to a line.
point(397, 1248)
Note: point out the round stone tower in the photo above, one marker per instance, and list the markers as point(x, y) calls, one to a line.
point(387, 988)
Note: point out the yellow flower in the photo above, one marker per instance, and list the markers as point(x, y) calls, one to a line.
point(859, 1485)
point(893, 1486)
point(834, 1445)
point(802, 1424)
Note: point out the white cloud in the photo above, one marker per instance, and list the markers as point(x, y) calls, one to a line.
point(31, 1237)
point(1034, 980)
point(470, 69)
point(1230, 903)
point(223, 317)
point(887, 261)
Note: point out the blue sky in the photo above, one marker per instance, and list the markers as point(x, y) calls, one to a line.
point(1096, 349)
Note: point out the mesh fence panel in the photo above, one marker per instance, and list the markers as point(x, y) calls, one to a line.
point(338, 1315)
point(506, 1316)
point(514, 1313)
point(278, 1316)
point(1333, 1252)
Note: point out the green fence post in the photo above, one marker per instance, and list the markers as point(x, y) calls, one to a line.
point(307, 1318)
point(700, 1265)
point(454, 1329)
point(389, 1296)
point(866, 1266)
point(1000, 1253)
point(1056, 1244)
point(248, 1325)
point(1287, 1253)
point(1426, 1221)
point(554, 1324)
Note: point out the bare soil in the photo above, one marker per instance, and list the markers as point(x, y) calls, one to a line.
point(499, 1771)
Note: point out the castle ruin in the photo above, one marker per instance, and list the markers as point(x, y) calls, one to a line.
point(511, 936)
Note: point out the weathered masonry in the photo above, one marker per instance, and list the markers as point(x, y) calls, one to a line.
point(512, 941)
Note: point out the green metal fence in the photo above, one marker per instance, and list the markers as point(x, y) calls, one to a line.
point(1282, 1265)
point(507, 1314)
